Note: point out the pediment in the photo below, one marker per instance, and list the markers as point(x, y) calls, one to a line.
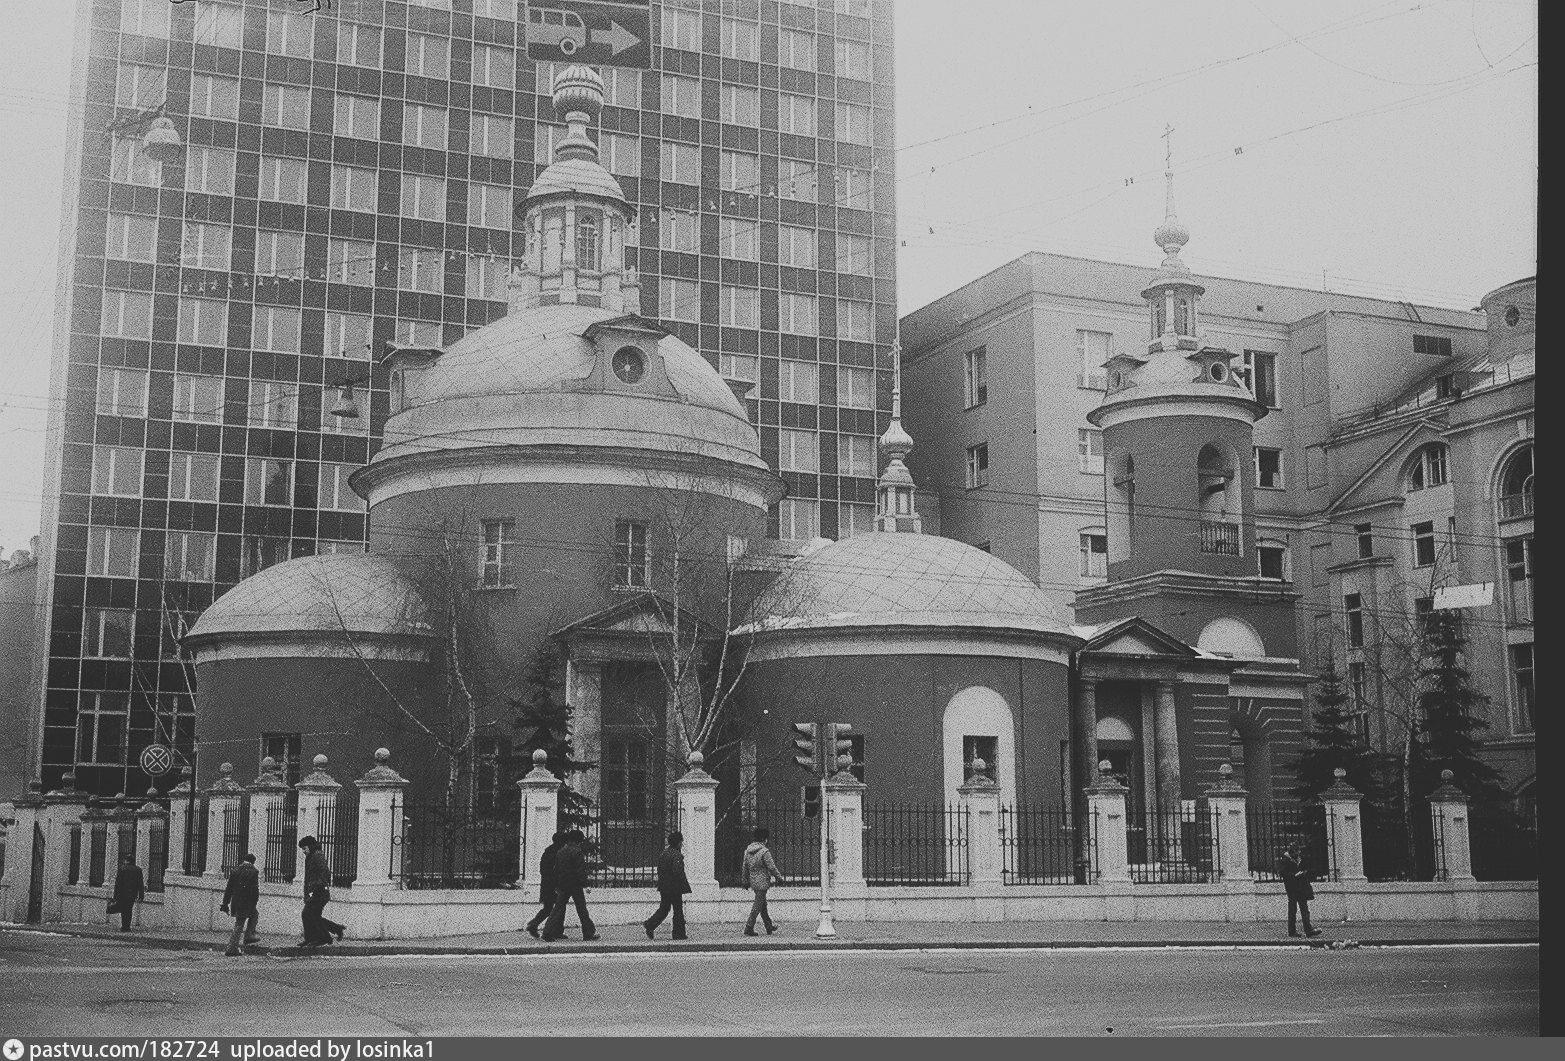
point(1381, 480)
point(646, 614)
point(1136, 637)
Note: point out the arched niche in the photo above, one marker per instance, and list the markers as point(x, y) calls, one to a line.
point(979, 711)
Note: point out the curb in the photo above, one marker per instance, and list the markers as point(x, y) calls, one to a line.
point(735, 947)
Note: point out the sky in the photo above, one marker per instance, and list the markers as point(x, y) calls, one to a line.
point(1382, 149)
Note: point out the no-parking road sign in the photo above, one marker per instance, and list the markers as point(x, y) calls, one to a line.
point(157, 760)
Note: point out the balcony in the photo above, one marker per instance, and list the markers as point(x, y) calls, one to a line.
point(1516, 506)
point(1220, 538)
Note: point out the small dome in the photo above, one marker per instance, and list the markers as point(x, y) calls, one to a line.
point(903, 580)
point(577, 176)
point(342, 592)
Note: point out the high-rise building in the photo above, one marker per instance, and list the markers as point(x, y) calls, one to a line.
point(262, 199)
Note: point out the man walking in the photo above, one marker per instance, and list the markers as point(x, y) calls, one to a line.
point(1296, 882)
point(546, 883)
point(760, 871)
point(570, 886)
point(129, 889)
point(241, 901)
point(673, 886)
point(317, 893)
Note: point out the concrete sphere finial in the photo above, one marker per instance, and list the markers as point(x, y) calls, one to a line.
point(268, 765)
point(1339, 773)
point(979, 766)
point(319, 761)
point(152, 792)
point(1446, 776)
point(119, 796)
point(185, 772)
point(226, 769)
point(540, 757)
point(1105, 767)
point(844, 761)
point(695, 759)
point(1225, 771)
point(383, 756)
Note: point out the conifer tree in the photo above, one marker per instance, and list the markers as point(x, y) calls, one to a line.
point(1333, 744)
point(542, 719)
point(1450, 712)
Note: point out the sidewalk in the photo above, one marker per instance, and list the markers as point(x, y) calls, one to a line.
point(725, 938)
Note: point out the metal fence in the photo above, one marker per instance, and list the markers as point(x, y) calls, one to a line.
point(1504, 843)
point(157, 854)
point(73, 873)
point(127, 838)
point(282, 840)
point(337, 829)
point(195, 838)
point(916, 843)
point(1170, 847)
point(1272, 828)
point(439, 846)
point(97, 851)
point(795, 843)
point(236, 834)
point(1047, 845)
point(1387, 856)
point(624, 854)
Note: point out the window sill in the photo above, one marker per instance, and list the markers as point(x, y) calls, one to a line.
point(490, 589)
point(1274, 489)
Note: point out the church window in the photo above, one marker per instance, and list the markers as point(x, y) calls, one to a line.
point(632, 559)
point(499, 548)
point(625, 779)
point(588, 242)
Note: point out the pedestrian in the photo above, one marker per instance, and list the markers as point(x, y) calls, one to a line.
point(1296, 882)
point(241, 901)
point(129, 889)
point(546, 883)
point(318, 929)
point(673, 886)
point(760, 871)
point(570, 886)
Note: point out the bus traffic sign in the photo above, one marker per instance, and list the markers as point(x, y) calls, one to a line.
point(595, 32)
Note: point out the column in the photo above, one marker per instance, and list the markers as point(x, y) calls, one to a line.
point(317, 789)
point(1448, 817)
point(844, 795)
point(179, 823)
point(980, 797)
point(224, 796)
point(1225, 805)
point(540, 817)
point(19, 853)
point(1344, 828)
point(267, 791)
point(1167, 749)
point(1085, 735)
point(697, 795)
point(1106, 826)
point(380, 818)
point(149, 816)
point(584, 693)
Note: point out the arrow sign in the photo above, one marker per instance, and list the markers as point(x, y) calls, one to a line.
point(595, 32)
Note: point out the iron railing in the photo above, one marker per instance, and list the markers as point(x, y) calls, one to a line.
point(157, 855)
point(1170, 847)
point(337, 829)
point(624, 854)
point(195, 838)
point(97, 852)
point(1219, 537)
point(236, 829)
point(438, 846)
point(282, 840)
point(127, 838)
point(795, 843)
point(1385, 844)
point(916, 844)
point(74, 870)
point(1273, 828)
point(1047, 845)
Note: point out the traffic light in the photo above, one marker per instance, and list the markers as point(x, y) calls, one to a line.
point(838, 745)
point(807, 743)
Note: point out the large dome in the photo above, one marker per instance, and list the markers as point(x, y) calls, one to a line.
point(906, 580)
point(536, 379)
point(315, 595)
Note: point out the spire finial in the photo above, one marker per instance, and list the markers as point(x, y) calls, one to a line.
point(894, 492)
point(1171, 236)
point(578, 95)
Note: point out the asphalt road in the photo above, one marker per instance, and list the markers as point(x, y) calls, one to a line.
point(53, 985)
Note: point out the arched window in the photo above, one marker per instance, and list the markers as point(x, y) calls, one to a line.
point(1429, 467)
point(589, 243)
point(1218, 501)
point(1516, 485)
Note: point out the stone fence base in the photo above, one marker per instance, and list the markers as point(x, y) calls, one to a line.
point(387, 913)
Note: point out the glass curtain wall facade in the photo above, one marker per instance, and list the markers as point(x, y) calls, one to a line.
point(348, 180)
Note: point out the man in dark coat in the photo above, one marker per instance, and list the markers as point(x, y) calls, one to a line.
point(1296, 882)
point(673, 886)
point(317, 893)
point(546, 883)
point(129, 889)
point(570, 886)
point(241, 901)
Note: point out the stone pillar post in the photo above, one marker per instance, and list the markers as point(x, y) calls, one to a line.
point(540, 818)
point(19, 852)
point(61, 814)
point(844, 795)
point(114, 813)
point(224, 795)
point(149, 816)
point(1106, 826)
point(1225, 806)
point(318, 789)
point(1448, 817)
point(1344, 828)
point(179, 823)
point(980, 798)
point(380, 818)
point(697, 795)
point(267, 791)
point(584, 693)
point(1085, 735)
